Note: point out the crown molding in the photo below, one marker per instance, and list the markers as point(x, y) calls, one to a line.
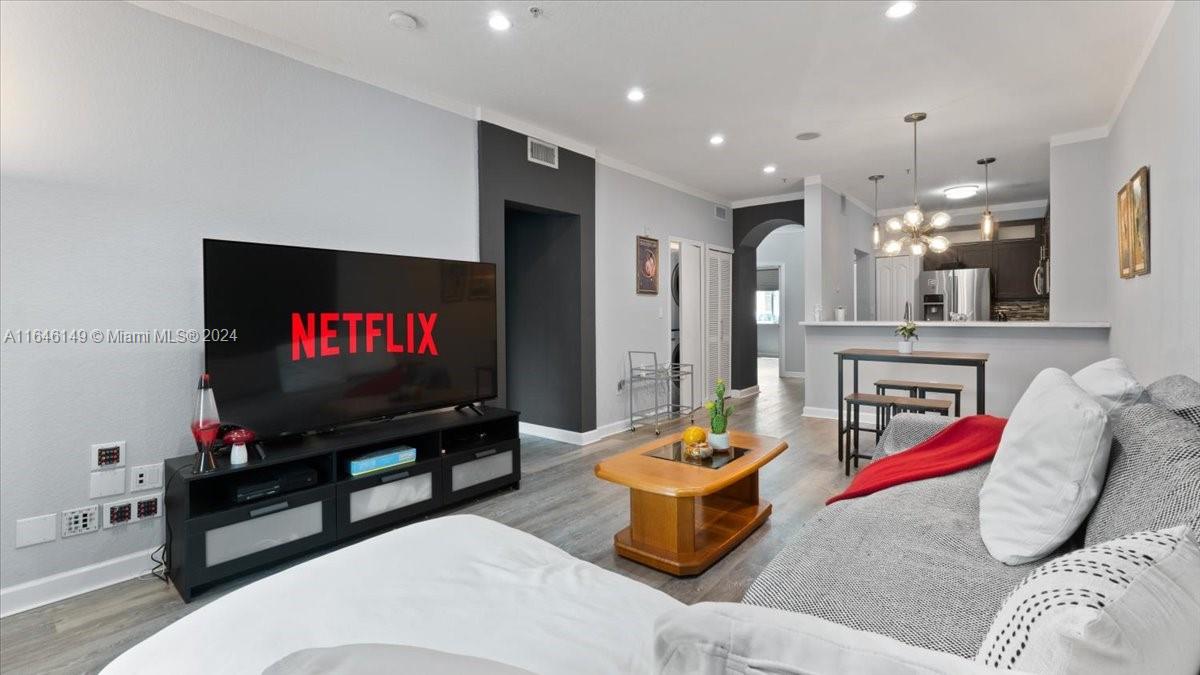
point(635, 170)
point(1080, 136)
point(972, 210)
point(769, 199)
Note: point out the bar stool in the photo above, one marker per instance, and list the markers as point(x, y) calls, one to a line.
point(917, 389)
point(883, 414)
point(921, 405)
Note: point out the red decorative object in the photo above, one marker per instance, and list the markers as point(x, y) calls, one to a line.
point(206, 424)
point(969, 442)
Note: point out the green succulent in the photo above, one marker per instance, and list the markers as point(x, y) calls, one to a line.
point(718, 410)
point(907, 330)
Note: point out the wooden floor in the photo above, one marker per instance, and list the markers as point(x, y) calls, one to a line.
point(560, 501)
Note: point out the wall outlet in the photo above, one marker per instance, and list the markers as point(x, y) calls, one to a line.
point(80, 521)
point(146, 477)
point(148, 507)
point(107, 455)
point(36, 530)
point(106, 483)
point(118, 513)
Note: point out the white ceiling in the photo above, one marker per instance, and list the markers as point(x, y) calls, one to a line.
point(997, 78)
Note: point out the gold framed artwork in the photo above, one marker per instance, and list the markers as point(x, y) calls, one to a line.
point(646, 274)
point(1133, 225)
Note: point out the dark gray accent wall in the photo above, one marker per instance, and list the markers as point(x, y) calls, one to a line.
point(507, 178)
point(751, 225)
point(542, 285)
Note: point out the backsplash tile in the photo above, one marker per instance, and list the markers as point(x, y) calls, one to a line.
point(1022, 310)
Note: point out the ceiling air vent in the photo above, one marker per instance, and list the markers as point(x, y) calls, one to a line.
point(541, 152)
point(720, 212)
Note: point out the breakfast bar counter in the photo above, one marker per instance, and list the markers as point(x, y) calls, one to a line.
point(1016, 351)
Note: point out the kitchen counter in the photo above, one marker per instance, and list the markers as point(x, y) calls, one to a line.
point(964, 324)
point(1017, 351)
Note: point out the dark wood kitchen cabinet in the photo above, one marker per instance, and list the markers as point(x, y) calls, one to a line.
point(1014, 263)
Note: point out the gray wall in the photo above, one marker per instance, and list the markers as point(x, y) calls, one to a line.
point(785, 247)
point(128, 137)
point(768, 339)
point(627, 206)
point(507, 176)
point(1156, 317)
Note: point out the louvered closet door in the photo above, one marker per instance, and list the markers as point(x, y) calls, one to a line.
point(718, 317)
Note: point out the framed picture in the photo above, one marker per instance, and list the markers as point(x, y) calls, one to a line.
point(646, 274)
point(1125, 231)
point(1140, 185)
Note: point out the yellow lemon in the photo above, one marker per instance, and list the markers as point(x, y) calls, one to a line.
point(693, 435)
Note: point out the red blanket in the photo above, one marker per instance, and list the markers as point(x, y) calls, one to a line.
point(968, 442)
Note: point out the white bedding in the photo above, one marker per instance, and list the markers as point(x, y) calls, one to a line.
point(460, 584)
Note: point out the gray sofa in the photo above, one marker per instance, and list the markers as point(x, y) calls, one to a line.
point(908, 562)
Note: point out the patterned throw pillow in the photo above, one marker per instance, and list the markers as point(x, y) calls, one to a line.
point(1130, 605)
point(1179, 394)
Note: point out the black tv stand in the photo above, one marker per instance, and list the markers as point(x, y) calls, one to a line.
point(211, 538)
point(469, 406)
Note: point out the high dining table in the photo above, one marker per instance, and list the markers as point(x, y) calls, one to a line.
point(978, 361)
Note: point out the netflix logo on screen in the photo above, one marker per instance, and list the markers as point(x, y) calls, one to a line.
point(323, 334)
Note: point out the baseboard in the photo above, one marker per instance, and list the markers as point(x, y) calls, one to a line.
point(31, 594)
point(823, 413)
point(743, 393)
point(573, 437)
point(793, 373)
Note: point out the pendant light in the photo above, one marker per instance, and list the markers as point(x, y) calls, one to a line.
point(876, 235)
point(988, 223)
point(913, 228)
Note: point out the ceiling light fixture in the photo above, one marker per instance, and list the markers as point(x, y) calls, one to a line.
point(900, 9)
point(770, 168)
point(875, 233)
point(808, 136)
point(961, 191)
point(988, 223)
point(716, 139)
point(499, 22)
point(913, 228)
point(635, 94)
point(403, 20)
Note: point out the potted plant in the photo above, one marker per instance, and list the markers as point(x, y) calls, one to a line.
point(718, 418)
point(907, 332)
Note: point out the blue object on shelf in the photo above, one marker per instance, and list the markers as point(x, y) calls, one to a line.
point(382, 459)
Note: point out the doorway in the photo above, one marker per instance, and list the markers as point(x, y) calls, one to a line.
point(687, 309)
point(543, 283)
point(864, 286)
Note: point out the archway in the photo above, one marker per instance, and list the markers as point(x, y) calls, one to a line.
point(751, 225)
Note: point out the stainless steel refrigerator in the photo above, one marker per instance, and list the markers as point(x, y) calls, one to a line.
point(956, 295)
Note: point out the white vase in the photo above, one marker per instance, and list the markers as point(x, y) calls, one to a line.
point(718, 441)
point(905, 346)
point(237, 455)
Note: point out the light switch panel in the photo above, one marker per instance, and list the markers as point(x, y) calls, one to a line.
point(107, 483)
point(36, 530)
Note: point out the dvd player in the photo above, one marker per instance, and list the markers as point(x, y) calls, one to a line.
point(288, 480)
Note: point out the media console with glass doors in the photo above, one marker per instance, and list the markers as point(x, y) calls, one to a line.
point(299, 495)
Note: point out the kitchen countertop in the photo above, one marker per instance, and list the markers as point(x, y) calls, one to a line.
point(1104, 325)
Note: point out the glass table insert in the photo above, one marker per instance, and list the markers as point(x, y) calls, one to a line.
point(673, 452)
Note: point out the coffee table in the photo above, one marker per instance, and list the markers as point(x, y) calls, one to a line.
point(684, 515)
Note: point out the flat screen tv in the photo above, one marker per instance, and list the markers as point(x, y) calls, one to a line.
point(306, 339)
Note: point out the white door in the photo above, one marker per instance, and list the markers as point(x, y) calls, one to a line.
point(885, 295)
point(896, 287)
point(718, 317)
point(691, 316)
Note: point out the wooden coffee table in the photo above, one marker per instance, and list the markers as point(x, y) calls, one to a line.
point(684, 516)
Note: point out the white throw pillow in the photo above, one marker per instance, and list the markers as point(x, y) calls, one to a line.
point(1047, 472)
point(1110, 383)
point(1130, 605)
point(719, 638)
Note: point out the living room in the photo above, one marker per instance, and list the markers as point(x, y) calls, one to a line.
point(499, 337)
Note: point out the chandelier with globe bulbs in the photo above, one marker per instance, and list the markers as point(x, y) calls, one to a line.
point(913, 231)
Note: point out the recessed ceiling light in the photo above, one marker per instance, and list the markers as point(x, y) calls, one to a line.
point(716, 139)
point(499, 22)
point(403, 20)
point(961, 191)
point(900, 9)
point(770, 168)
point(808, 136)
point(636, 94)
